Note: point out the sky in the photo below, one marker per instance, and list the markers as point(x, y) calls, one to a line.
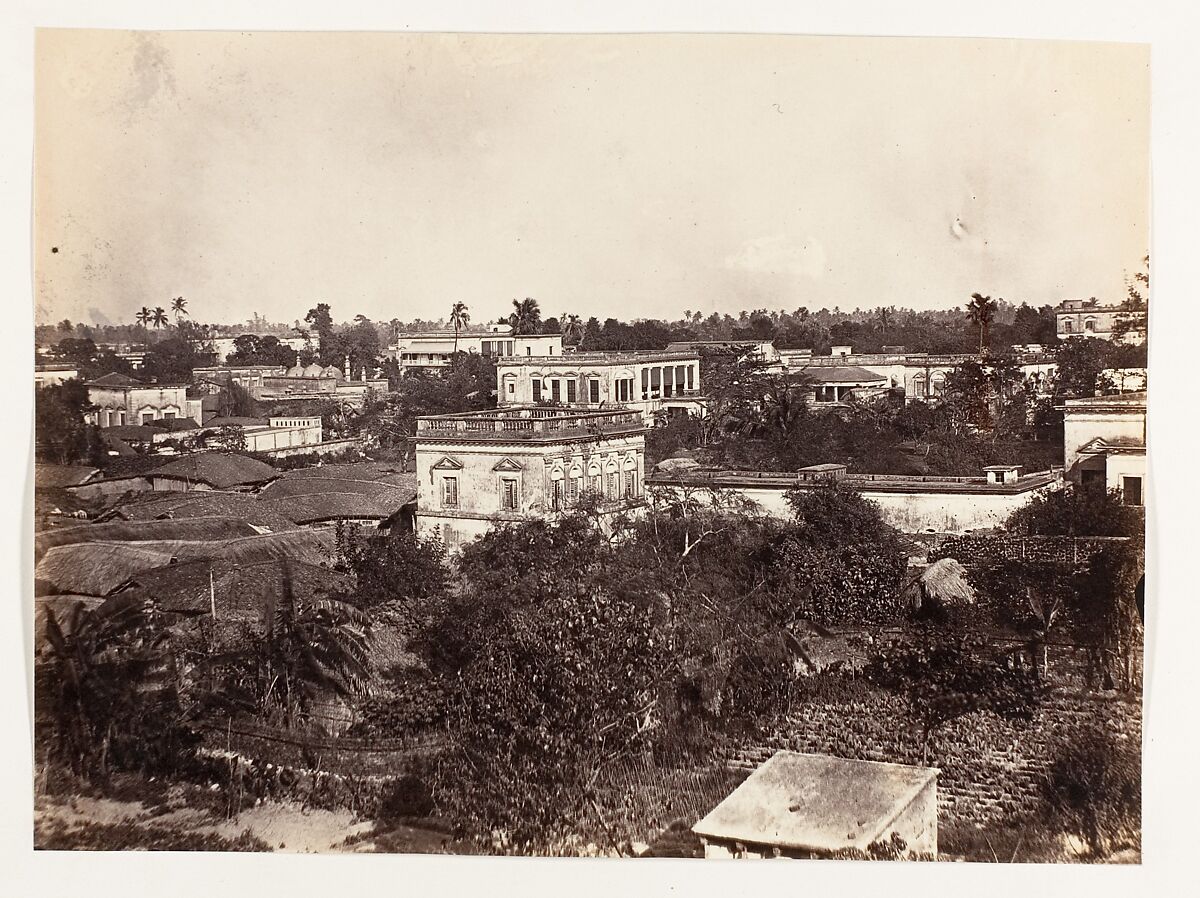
point(618, 176)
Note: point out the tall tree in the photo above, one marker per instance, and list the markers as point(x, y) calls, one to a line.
point(179, 307)
point(460, 317)
point(982, 311)
point(144, 317)
point(572, 329)
point(322, 322)
point(1134, 316)
point(526, 317)
point(159, 317)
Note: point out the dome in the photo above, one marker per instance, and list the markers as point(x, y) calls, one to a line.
point(295, 371)
point(313, 370)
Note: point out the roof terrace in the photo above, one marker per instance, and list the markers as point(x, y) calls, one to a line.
point(529, 422)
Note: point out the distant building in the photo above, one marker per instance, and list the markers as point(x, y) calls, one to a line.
point(650, 381)
point(514, 463)
point(1088, 318)
point(810, 806)
point(1105, 443)
point(432, 350)
point(281, 383)
point(834, 385)
point(53, 375)
point(120, 399)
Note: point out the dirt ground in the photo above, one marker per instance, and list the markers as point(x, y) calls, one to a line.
point(82, 821)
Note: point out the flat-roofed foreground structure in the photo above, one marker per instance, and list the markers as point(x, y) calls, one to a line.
point(910, 503)
point(806, 806)
point(517, 462)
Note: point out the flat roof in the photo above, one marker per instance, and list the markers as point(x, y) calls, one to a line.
point(816, 802)
point(884, 483)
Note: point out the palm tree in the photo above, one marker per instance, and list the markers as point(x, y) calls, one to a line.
point(572, 329)
point(982, 310)
point(460, 317)
point(179, 307)
point(158, 317)
point(526, 317)
point(144, 317)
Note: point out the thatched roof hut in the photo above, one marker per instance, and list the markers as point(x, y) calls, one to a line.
point(99, 568)
point(943, 583)
point(240, 591)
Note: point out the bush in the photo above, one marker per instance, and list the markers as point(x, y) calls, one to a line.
point(407, 797)
point(1095, 787)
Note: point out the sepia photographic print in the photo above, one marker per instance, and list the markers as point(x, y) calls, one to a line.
point(614, 446)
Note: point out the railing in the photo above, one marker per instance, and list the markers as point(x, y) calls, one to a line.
point(629, 356)
point(528, 421)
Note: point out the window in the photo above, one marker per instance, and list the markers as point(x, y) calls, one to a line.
point(645, 383)
point(571, 387)
point(147, 417)
point(168, 416)
point(528, 350)
point(555, 393)
point(593, 390)
point(1067, 327)
point(573, 488)
point(612, 485)
point(630, 483)
point(512, 388)
point(556, 496)
point(508, 494)
point(537, 390)
point(449, 492)
point(1131, 490)
point(1089, 324)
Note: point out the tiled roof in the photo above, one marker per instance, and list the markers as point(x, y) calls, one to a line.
point(114, 380)
point(220, 470)
point(844, 374)
point(51, 476)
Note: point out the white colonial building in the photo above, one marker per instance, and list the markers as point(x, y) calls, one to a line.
point(1105, 443)
point(650, 381)
point(482, 468)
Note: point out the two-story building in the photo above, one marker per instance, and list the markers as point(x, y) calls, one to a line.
point(119, 399)
point(649, 381)
point(434, 350)
point(1090, 318)
point(510, 464)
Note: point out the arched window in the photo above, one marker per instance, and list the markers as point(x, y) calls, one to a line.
point(1089, 324)
point(1068, 326)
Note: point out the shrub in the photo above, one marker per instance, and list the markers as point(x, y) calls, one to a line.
point(1094, 785)
point(407, 797)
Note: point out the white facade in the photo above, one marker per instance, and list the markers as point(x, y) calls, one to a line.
point(476, 470)
point(434, 350)
point(648, 381)
point(140, 404)
point(1105, 443)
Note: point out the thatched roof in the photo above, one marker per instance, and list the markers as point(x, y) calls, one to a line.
point(201, 503)
point(240, 590)
point(97, 569)
point(220, 470)
point(945, 581)
point(287, 489)
point(199, 528)
point(319, 507)
point(387, 472)
point(55, 476)
point(94, 569)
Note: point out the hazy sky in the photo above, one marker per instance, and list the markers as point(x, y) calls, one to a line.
point(627, 176)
